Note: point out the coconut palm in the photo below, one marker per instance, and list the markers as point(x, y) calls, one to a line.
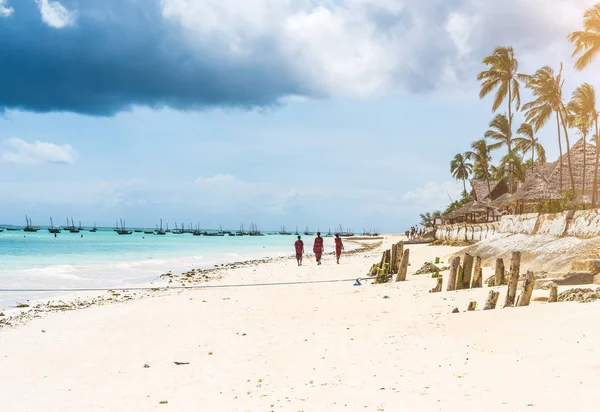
point(461, 169)
point(527, 142)
point(587, 41)
point(547, 90)
point(583, 115)
point(480, 154)
point(499, 132)
point(511, 166)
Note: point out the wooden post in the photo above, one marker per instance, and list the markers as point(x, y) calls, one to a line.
point(388, 260)
point(499, 274)
point(452, 276)
point(476, 268)
point(491, 301)
point(374, 269)
point(393, 267)
point(459, 277)
point(383, 275)
point(399, 253)
point(467, 270)
point(477, 279)
point(438, 286)
point(528, 285)
point(382, 259)
point(403, 266)
point(472, 306)
point(513, 280)
point(553, 293)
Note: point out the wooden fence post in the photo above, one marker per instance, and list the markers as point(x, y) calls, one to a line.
point(513, 280)
point(403, 266)
point(438, 286)
point(491, 301)
point(453, 271)
point(528, 284)
point(393, 268)
point(467, 270)
point(459, 277)
point(553, 293)
point(499, 274)
point(475, 281)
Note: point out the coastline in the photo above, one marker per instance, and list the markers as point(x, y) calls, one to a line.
point(306, 346)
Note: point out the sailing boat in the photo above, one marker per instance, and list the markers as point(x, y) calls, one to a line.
point(307, 232)
point(52, 228)
point(28, 227)
point(123, 230)
point(297, 233)
point(159, 230)
point(94, 229)
point(329, 234)
point(284, 232)
point(241, 231)
point(72, 228)
point(178, 231)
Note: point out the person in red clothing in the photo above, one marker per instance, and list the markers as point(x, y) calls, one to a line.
point(318, 248)
point(339, 246)
point(299, 250)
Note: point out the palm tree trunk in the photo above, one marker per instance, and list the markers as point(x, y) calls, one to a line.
point(560, 153)
point(464, 188)
point(595, 189)
point(584, 164)
point(510, 167)
point(568, 152)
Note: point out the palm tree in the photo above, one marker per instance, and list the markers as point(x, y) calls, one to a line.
point(547, 90)
point(461, 169)
point(480, 154)
point(511, 165)
point(527, 142)
point(582, 110)
point(499, 131)
point(587, 41)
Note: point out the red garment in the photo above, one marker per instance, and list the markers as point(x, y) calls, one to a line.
point(299, 248)
point(318, 248)
point(338, 247)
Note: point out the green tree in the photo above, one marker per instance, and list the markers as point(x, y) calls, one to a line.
point(480, 155)
point(527, 142)
point(587, 41)
point(461, 169)
point(547, 91)
point(499, 131)
point(583, 115)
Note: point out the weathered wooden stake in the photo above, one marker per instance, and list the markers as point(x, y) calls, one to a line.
point(393, 261)
point(388, 260)
point(403, 266)
point(399, 253)
point(438, 286)
point(383, 276)
point(528, 285)
point(374, 269)
point(491, 301)
point(453, 271)
point(472, 306)
point(499, 274)
point(467, 270)
point(476, 268)
point(459, 277)
point(382, 259)
point(513, 280)
point(553, 293)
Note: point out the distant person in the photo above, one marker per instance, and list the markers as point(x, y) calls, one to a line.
point(318, 248)
point(299, 250)
point(339, 246)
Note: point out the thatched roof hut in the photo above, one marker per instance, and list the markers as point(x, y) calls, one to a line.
point(534, 189)
point(580, 201)
point(482, 191)
point(551, 171)
point(504, 200)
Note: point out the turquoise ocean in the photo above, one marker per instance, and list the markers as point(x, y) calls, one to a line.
point(105, 259)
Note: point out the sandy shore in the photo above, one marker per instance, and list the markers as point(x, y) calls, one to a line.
point(307, 347)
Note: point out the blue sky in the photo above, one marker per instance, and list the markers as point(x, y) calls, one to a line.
point(302, 112)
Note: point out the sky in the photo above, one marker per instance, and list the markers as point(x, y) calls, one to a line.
point(280, 112)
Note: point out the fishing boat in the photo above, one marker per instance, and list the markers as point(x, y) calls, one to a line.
point(284, 232)
point(122, 230)
point(177, 231)
point(254, 230)
point(197, 231)
point(149, 232)
point(344, 233)
point(159, 230)
point(241, 232)
point(73, 228)
point(94, 229)
point(168, 230)
point(29, 227)
point(329, 234)
point(13, 229)
point(219, 233)
point(307, 232)
point(52, 228)
point(297, 233)
point(1, 229)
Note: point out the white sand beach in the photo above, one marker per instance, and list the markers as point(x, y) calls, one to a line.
point(307, 347)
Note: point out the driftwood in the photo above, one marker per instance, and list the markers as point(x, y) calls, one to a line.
point(467, 271)
point(528, 284)
point(476, 274)
point(453, 271)
point(459, 277)
point(513, 280)
point(438, 286)
point(403, 266)
point(499, 274)
point(491, 301)
point(553, 293)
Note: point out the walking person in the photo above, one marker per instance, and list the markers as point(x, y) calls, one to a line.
point(299, 250)
point(339, 246)
point(318, 248)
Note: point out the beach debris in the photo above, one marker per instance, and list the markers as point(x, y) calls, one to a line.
point(146, 365)
point(163, 402)
point(210, 353)
point(513, 279)
point(43, 331)
point(453, 271)
point(491, 301)
point(22, 305)
point(427, 267)
point(472, 306)
point(437, 260)
point(403, 269)
point(181, 363)
point(2, 314)
point(553, 296)
point(467, 271)
point(499, 278)
point(528, 285)
point(455, 310)
point(579, 295)
point(438, 286)
point(386, 297)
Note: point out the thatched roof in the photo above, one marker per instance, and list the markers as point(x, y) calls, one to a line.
point(480, 189)
point(536, 188)
point(581, 200)
point(478, 207)
point(505, 199)
point(551, 171)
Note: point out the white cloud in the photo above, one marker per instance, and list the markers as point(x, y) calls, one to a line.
point(219, 178)
point(20, 152)
point(5, 10)
point(434, 195)
point(55, 14)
